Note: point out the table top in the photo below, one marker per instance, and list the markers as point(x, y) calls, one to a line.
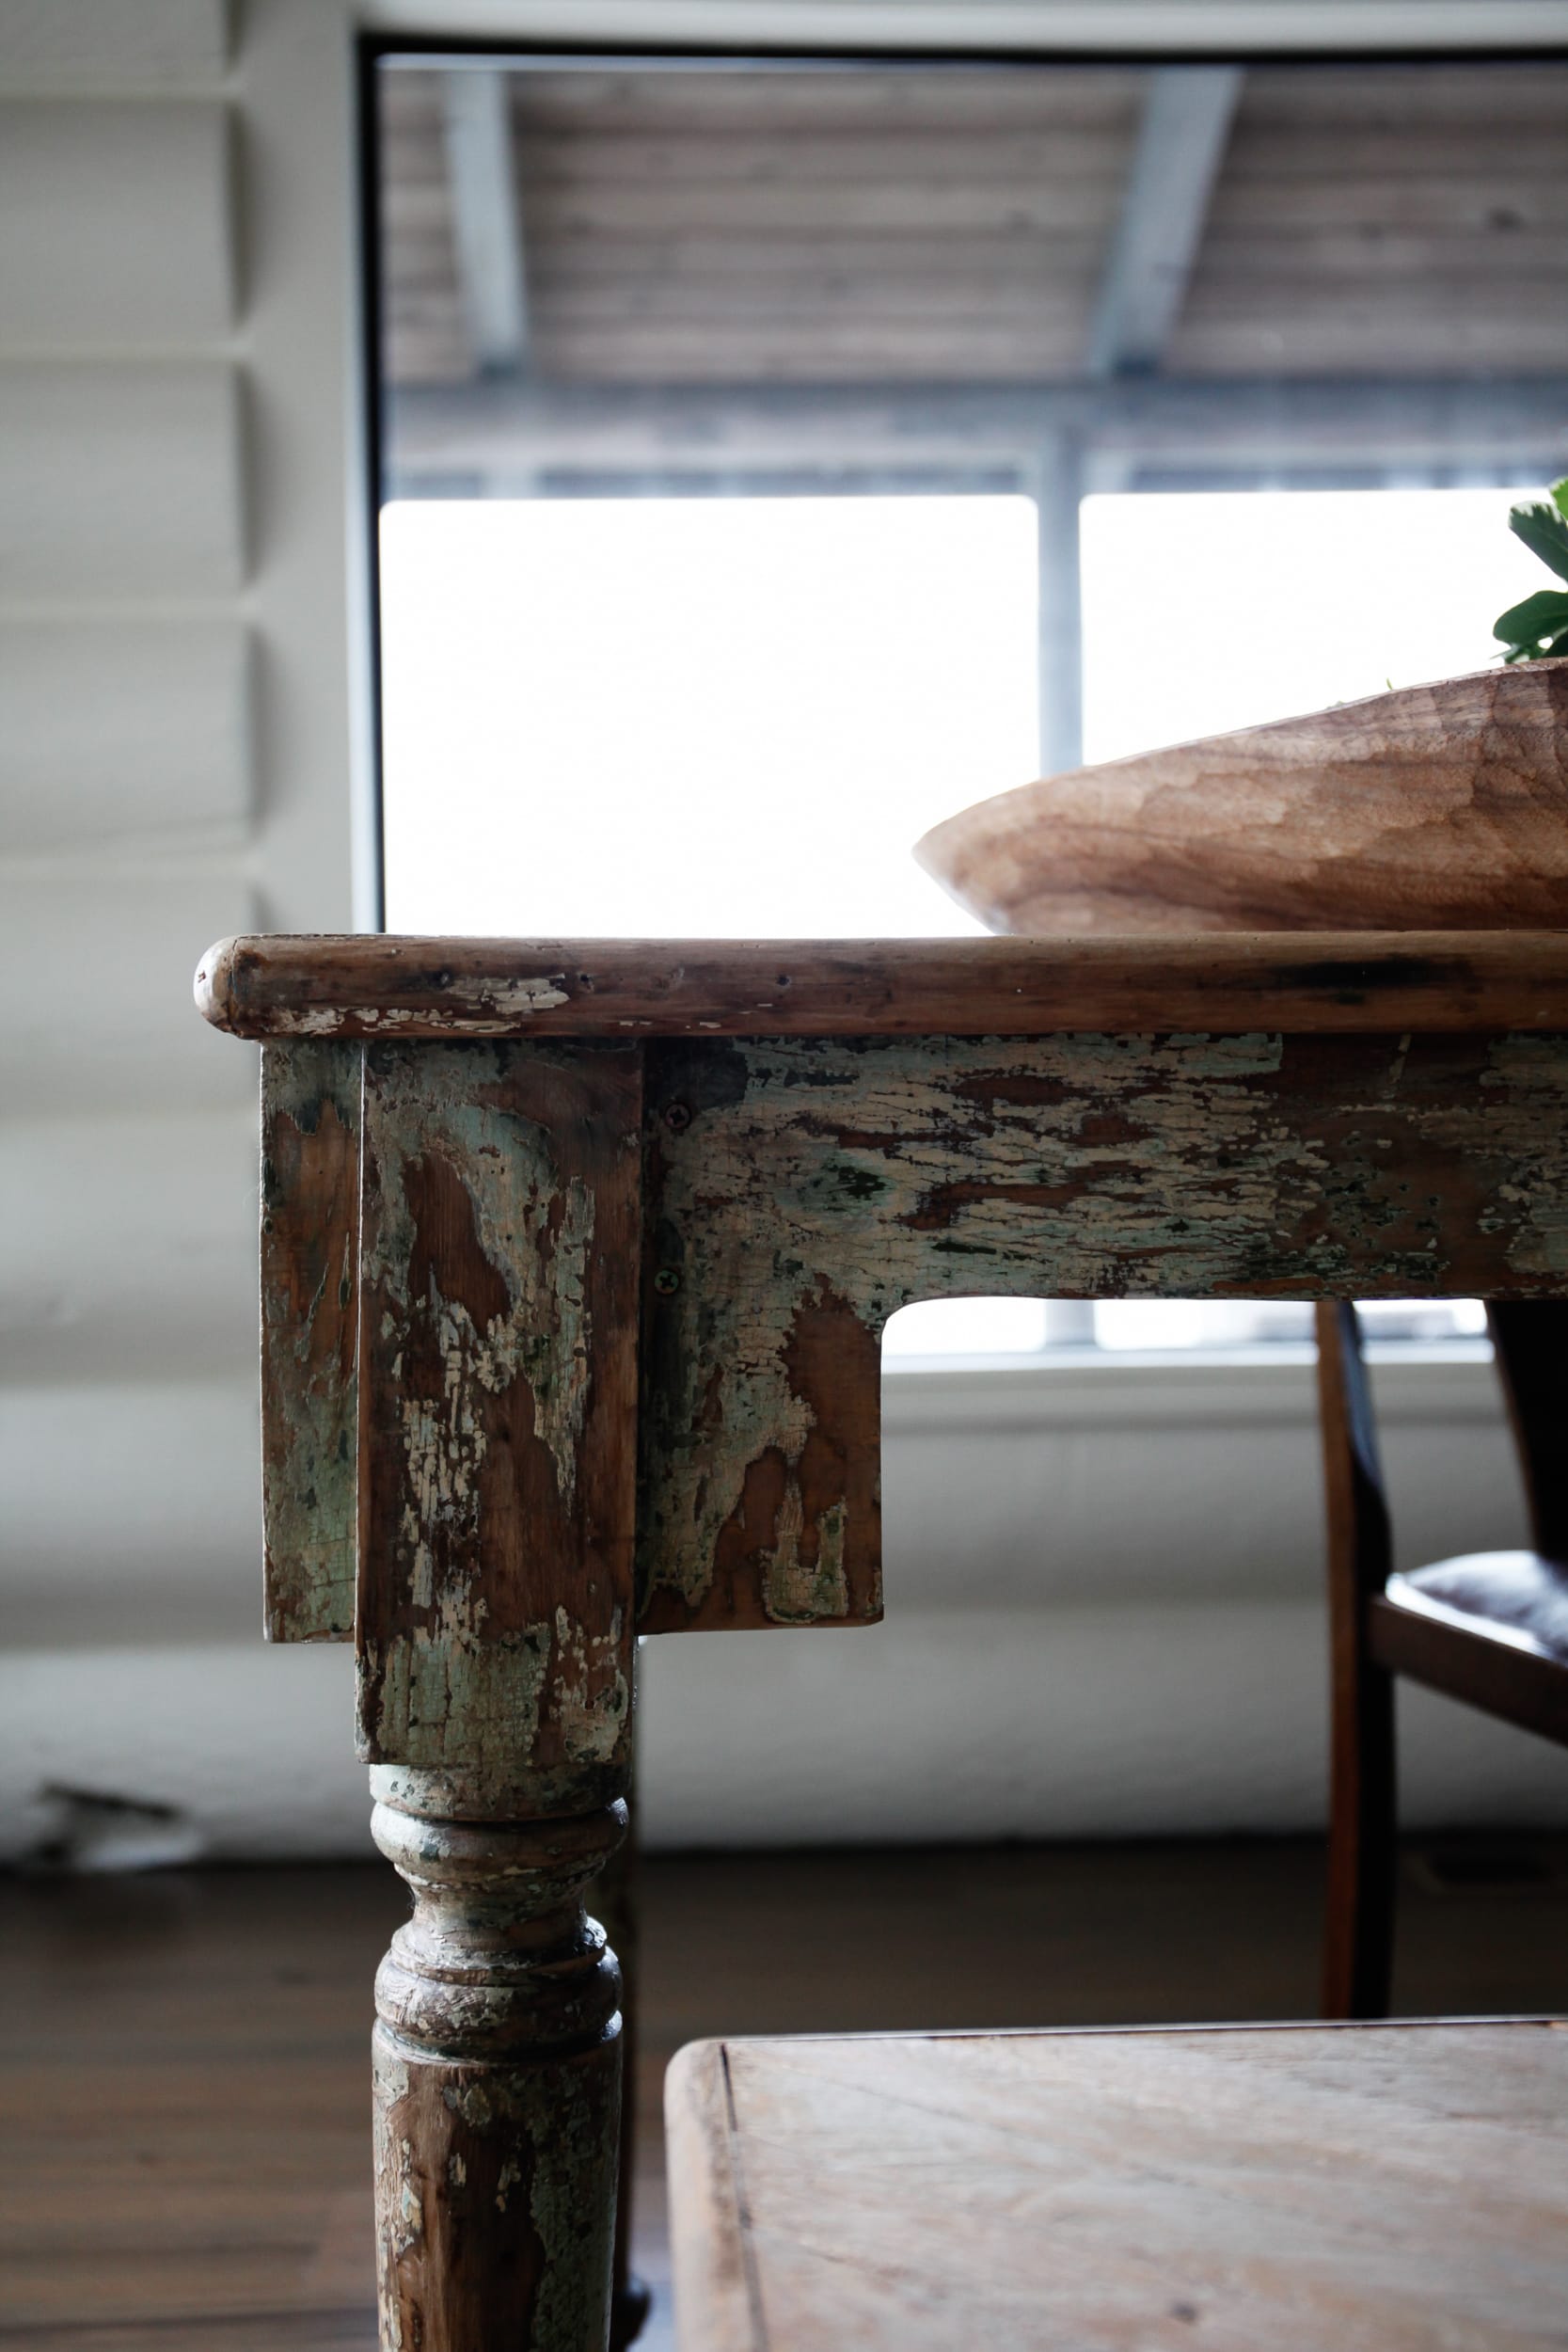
point(381, 985)
point(1307, 2188)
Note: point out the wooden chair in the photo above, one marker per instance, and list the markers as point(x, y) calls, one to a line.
point(1490, 1627)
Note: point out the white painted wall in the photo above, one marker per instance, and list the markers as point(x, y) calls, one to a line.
point(178, 417)
point(181, 655)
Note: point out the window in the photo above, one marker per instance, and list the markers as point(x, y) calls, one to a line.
point(699, 716)
point(778, 458)
point(1116, 1330)
point(1288, 600)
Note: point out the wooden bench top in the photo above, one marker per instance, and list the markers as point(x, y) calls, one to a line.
point(1294, 982)
point(1300, 2188)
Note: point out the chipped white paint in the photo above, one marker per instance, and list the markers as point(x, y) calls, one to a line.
point(535, 993)
point(510, 1191)
point(1525, 1089)
point(495, 1681)
point(844, 1179)
point(561, 1400)
point(496, 2078)
point(593, 1693)
point(400, 2212)
point(483, 1271)
point(780, 1193)
point(493, 1009)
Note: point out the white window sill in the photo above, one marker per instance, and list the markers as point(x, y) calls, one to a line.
point(1092, 1387)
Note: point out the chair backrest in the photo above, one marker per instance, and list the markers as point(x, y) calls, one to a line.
point(1530, 1337)
point(1359, 1542)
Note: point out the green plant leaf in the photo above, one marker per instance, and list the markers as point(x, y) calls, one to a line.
point(1543, 527)
point(1541, 615)
point(1555, 650)
point(1560, 497)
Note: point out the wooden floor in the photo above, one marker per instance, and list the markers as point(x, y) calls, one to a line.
point(182, 2066)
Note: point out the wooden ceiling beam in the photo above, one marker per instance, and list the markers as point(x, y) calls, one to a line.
point(486, 228)
point(492, 434)
point(1186, 123)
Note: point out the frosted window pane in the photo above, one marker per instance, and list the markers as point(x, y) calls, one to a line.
point(698, 718)
point(1289, 600)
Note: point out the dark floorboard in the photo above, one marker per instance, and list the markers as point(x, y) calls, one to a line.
point(183, 2068)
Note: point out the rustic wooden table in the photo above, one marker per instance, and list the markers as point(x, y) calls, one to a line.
point(575, 1262)
point(1309, 2188)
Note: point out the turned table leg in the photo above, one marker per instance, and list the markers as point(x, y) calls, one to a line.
point(499, 1264)
point(498, 2077)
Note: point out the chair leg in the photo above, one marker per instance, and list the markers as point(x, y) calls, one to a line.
point(1359, 1924)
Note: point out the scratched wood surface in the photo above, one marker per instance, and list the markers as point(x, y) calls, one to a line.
point(310, 1318)
point(499, 1337)
point(1310, 2189)
point(1291, 981)
point(799, 1191)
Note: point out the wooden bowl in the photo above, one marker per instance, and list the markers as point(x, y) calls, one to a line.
point(1440, 808)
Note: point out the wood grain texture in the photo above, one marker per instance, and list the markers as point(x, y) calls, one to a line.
point(798, 1192)
point(715, 2274)
point(1307, 2188)
point(310, 1337)
point(1290, 983)
point(895, 178)
point(1441, 806)
point(497, 1416)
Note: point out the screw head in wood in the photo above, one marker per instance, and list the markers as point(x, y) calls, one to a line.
point(667, 1281)
point(677, 1117)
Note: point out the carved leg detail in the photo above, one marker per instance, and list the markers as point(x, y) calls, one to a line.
point(498, 2078)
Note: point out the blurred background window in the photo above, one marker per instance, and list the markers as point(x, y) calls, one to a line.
point(777, 459)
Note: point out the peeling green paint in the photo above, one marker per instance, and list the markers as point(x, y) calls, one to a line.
point(498, 1421)
point(851, 1177)
point(309, 1254)
point(497, 2074)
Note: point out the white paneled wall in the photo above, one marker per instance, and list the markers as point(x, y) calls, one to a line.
point(140, 276)
point(129, 47)
point(160, 751)
point(177, 508)
point(120, 481)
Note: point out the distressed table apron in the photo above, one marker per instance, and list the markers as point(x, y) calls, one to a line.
point(573, 1334)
